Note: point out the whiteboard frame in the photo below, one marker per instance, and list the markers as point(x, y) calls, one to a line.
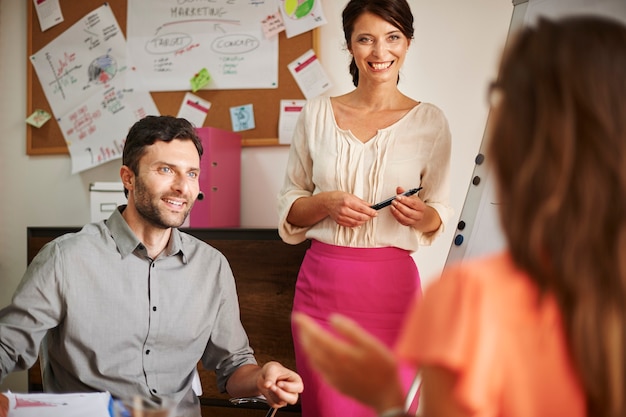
point(472, 238)
point(480, 183)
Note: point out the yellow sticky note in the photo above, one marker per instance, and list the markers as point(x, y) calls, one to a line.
point(38, 118)
point(199, 80)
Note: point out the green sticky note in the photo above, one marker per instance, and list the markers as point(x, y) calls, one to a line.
point(38, 118)
point(199, 80)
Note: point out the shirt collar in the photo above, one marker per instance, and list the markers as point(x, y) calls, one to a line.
point(127, 242)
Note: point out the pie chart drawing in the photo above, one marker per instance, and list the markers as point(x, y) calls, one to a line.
point(102, 69)
point(297, 9)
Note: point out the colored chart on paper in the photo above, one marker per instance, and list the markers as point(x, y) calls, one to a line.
point(297, 9)
point(102, 69)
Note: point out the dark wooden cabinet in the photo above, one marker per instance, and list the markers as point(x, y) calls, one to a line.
point(265, 270)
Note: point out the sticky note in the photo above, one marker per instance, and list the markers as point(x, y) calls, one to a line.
point(38, 118)
point(200, 79)
point(242, 117)
point(272, 25)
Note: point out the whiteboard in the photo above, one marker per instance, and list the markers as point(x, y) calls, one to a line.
point(169, 41)
point(478, 230)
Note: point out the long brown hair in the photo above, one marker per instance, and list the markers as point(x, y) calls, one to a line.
point(558, 148)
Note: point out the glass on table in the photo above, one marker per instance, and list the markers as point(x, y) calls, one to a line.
point(142, 407)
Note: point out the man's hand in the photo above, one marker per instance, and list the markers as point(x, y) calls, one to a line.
point(279, 385)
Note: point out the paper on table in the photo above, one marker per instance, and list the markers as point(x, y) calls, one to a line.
point(92, 404)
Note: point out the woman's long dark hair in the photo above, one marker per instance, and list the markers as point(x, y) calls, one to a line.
point(558, 147)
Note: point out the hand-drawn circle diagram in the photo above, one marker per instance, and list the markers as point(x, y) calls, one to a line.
point(235, 44)
point(297, 9)
point(168, 43)
point(102, 69)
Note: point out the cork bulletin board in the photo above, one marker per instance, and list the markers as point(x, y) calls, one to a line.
point(48, 139)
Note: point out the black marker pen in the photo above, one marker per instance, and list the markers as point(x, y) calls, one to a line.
point(388, 201)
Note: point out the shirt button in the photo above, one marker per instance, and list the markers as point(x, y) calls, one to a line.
point(154, 308)
point(148, 352)
point(154, 391)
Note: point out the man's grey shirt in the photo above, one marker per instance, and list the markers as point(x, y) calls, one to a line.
point(119, 321)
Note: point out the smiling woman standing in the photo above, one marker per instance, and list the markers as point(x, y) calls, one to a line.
point(347, 153)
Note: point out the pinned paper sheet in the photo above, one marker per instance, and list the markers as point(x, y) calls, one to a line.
point(301, 16)
point(272, 25)
point(170, 40)
point(38, 118)
point(77, 65)
point(48, 12)
point(200, 79)
point(242, 117)
point(194, 109)
point(289, 113)
point(310, 75)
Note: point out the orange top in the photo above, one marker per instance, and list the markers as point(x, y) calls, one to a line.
point(484, 321)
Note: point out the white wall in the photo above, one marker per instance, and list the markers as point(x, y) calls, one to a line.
point(452, 59)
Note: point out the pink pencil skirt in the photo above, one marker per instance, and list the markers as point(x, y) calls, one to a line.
point(374, 287)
